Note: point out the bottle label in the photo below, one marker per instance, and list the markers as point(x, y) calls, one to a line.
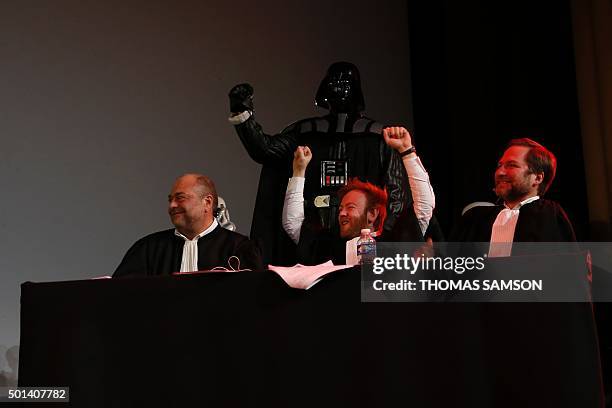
point(366, 252)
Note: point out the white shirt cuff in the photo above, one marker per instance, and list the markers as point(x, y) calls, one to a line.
point(240, 118)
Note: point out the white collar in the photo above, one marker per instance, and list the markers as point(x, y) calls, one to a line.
point(522, 203)
point(201, 234)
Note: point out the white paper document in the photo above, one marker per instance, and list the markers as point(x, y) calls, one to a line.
point(303, 276)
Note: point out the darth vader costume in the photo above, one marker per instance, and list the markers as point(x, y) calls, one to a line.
point(344, 144)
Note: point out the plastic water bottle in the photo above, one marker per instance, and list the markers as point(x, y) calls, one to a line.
point(366, 247)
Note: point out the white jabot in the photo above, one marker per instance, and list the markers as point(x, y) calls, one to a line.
point(351, 252)
point(189, 262)
point(502, 233)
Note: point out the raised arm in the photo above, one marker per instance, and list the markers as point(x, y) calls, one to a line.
point(424, 200)
point(260, 146)
point(293, 208)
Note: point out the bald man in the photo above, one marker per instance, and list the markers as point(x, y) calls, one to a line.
point(196, 243)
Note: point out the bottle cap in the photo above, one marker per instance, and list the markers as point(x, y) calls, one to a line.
point(365, 231)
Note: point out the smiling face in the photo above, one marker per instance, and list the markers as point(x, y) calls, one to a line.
point(514, 182)
point(189, 207)
point(353, 215)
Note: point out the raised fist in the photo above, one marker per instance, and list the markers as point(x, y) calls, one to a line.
point(397, 138)
point(241, 98)
point(301, 158)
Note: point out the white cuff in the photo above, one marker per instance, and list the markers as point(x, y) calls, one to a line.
point(240, 118)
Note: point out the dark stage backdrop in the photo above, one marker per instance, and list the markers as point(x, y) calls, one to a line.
point(104, 103)
point(486, 72)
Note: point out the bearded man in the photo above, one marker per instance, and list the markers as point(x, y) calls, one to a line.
point(523, 175)
point(361, 205)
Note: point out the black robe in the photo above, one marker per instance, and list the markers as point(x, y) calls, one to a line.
point(318, 246)
point(506, 336)
point(539, 221)
point(161, 253)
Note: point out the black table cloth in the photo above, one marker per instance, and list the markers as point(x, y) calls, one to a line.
point(247, 339)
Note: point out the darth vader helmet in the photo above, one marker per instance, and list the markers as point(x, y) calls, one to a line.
point(340, 90)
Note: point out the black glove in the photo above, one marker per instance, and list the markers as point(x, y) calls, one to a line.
point(241, 98)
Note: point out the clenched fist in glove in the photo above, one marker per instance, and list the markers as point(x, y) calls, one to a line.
point(241, 98)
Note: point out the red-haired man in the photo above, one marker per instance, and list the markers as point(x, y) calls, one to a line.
point(362, 205)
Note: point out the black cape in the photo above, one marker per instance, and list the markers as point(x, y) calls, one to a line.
point(539, 221)
point(505, 344)
point(161, 253)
